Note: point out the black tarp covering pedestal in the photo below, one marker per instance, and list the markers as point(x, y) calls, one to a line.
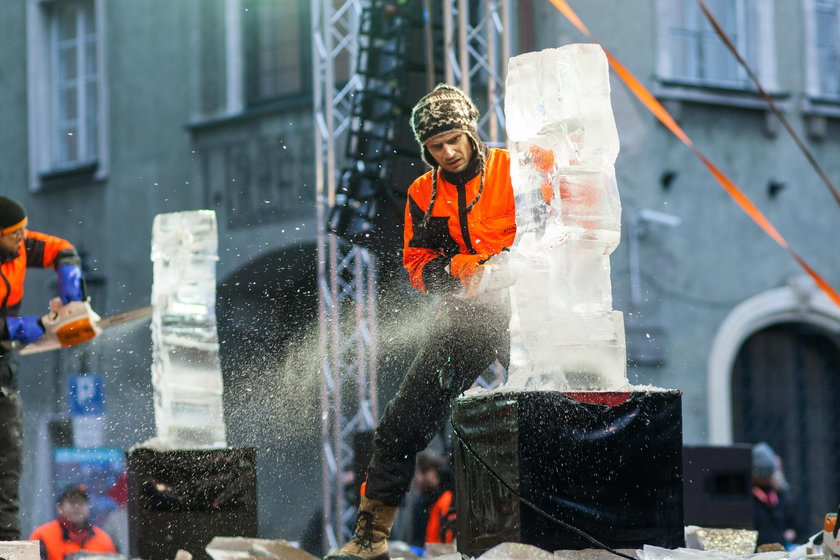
point(607, 463)
point(181, 499)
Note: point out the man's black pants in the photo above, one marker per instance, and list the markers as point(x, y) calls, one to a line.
point(465, 339)
point(11, 437)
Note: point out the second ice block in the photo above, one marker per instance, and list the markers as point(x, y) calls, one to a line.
point(186, 372)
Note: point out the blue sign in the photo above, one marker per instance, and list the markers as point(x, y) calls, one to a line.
point(87, 395)
point(97, 468)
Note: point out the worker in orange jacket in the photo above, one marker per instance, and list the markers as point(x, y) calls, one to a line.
point(21, 249)
point(440, 528)
point(459, 219)
point(72, 531)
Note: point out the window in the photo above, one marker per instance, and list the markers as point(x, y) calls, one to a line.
point(65, 91)
point(265, 59)
point(75, 81)
point(823, 51)
point(691, 53)
point(276, 49)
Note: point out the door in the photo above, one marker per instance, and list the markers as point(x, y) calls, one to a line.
point(786, 391)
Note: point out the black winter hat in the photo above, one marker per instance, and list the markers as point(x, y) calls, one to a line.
point(764, 460)
point(72, 490)
point(12, 215)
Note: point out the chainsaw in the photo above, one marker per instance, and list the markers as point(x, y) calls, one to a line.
point(830, 546)
point(72, 324)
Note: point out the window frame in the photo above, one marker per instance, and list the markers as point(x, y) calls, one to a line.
point(42, 92)
point(251, 60)
point(756, 42)
point(236, 102)
point(78, 126)
point(813, 86)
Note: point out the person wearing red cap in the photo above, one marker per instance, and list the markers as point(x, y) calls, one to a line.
point(72, 531)
point(21, 249)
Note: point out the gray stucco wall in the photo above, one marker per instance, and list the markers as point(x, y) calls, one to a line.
point(696, 273)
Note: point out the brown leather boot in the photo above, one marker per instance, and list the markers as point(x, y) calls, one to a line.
point(373, 525)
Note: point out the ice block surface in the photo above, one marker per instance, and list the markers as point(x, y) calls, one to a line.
point(186, 373)
point(563, 143)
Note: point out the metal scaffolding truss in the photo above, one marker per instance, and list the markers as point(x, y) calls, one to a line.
point(477, 47)
point(346, 273)
point(475, 53)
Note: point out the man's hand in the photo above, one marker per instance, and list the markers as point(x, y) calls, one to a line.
point(466, 267)
point(25, 329)
point(496, 273)
point(70, 283)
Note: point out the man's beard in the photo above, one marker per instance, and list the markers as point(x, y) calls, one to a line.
point(7, 256)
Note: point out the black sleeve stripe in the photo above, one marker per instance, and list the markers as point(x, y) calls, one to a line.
point(34, 252)
point(417, 213)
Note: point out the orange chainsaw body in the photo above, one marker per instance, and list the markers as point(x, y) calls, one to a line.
point(70, 324)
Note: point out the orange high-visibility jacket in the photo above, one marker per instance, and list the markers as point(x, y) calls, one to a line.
point(57, 543)
point(441, 525)
point(37, 250)
point(443, 254)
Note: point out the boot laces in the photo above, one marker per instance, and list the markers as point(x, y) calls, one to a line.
point(364, 529)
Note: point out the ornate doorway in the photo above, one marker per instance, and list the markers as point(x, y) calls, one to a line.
point(785, 387)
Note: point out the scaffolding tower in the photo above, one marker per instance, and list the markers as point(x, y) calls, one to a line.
point(475, 47)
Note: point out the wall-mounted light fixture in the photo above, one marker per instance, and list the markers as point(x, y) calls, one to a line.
point(639, 227)
point(667, 178)
point(774, 188)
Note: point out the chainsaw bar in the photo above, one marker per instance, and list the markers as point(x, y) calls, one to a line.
point(125, 317)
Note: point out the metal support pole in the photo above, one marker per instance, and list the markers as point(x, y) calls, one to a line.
point(346, 273)
point(477, 49)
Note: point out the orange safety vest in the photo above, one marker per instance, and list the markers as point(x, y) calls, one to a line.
point(55, 540)
point(441, 525)
point(37, 250)
point(443, 254)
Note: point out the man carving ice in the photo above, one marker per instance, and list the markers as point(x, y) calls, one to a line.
point(459, 220)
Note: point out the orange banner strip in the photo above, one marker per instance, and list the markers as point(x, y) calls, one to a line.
point(654, 106)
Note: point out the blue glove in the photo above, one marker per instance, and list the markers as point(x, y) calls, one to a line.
point(70, 283)
point(25, 329)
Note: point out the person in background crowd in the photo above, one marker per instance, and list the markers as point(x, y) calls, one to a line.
point(434, 480)
point(72, 530)
point(431, 480)
point(772, 509)
point(21, 249)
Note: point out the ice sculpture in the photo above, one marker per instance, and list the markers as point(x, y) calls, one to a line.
point(563, 144)
point(186, 374)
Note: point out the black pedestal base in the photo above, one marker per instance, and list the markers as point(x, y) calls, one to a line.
point(609, 464)
point(182, 499)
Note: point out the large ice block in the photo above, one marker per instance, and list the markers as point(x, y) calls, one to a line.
point(186, 372)
point(563, 143)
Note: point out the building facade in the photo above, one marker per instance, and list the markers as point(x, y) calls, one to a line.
point(116, 110)
point(713, 306)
